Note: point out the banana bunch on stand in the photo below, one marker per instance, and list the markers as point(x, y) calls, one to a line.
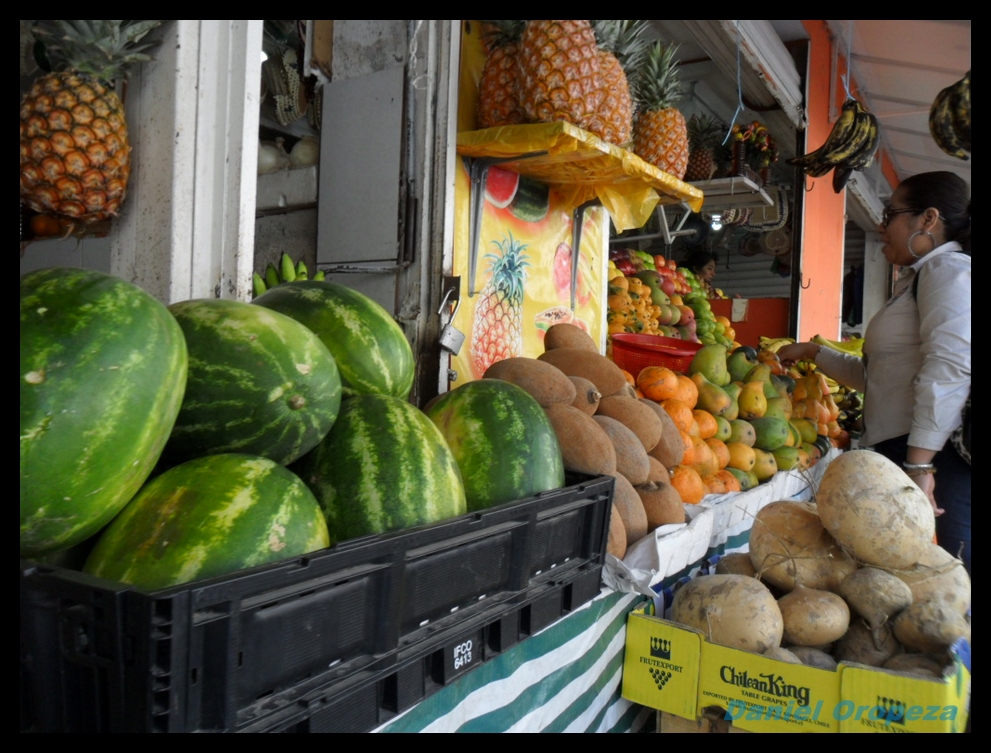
point(851, 145)
point(949, 119)
point(287, 271)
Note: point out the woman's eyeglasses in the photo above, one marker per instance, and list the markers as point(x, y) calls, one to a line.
point(888, 213)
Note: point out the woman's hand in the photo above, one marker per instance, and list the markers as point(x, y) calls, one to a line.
point(792, 354)
point(927, 483)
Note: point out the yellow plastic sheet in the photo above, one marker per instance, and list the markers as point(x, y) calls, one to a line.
point(583, 167)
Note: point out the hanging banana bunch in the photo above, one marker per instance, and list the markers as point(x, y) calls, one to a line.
point(851, 145)
point(949, 119)
point(287, 272)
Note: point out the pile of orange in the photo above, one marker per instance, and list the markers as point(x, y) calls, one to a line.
point(703, 465)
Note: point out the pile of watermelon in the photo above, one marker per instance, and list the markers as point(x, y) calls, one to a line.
point(162, 445)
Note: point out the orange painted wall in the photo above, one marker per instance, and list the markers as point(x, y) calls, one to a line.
point(820, 301)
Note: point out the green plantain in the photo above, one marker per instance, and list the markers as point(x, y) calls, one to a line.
point(941, 124)
point(960, 101)
point(864, 156)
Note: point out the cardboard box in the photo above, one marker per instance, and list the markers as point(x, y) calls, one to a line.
point(764, 695)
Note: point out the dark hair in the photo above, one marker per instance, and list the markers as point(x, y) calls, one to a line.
point(699, 258)
point(947, 192)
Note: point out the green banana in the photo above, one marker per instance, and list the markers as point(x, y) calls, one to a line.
point(258, 284)
point(272, 276)
point(301, 272)
point(941, 126)
point(319, 275)
point(288, 268)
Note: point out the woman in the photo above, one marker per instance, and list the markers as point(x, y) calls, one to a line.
point(703, 266)
point(915, 373)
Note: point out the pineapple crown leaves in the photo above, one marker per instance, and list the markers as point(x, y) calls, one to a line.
point(657, 80)
point(624, 39)
point(102, 49)
point(507, 267)
point(497, 34)
point(705, 131)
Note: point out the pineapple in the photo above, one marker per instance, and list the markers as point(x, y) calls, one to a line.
point(498, 94)
point(704, 136)
point(497, 329)
point(75, 155)
point(660, 134)
point(621, 48)
point(559, 72)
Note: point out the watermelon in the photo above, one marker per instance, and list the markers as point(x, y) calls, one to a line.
point(371, 350)
point(500, 186)
point(259, 383)
point(207, 517)
point(384, 466)
point(103, 369)
point(504, 443)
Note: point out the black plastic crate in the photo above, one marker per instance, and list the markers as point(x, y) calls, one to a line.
point(342, 638)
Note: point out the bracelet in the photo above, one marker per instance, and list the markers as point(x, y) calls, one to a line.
point(918, 466)
point(921, 472)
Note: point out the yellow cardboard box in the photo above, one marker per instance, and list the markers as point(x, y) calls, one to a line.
point(674, 669)
point(661, 664)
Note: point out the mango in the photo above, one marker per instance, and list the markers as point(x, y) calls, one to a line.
point(712, 398)
point(772, 433)
point(751, 402)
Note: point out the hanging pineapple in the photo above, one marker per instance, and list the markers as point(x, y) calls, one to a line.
point(75, 154)
point(559, 72)
point(621, 49)
point(705, 133)
point(497, 328)
point(660, 135)
point(498, 87)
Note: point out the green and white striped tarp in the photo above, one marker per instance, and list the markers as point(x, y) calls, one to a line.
point(567, 678)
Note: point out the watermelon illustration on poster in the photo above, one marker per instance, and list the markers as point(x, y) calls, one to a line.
point(522, 276)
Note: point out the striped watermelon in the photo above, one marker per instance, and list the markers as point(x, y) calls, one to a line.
point(103, 369)
point(384, 466)
point(372, 352)
point(504, 442)
point(259, 383)
point(207, 517)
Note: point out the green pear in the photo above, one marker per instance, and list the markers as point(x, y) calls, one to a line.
point(712, 398)
point(762, 373)
point(710, 360)
point(739, 363)
point(778, 407)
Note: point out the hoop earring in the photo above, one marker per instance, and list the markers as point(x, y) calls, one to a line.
point(912, 237)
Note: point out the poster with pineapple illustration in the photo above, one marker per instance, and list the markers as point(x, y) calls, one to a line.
point(522, 276)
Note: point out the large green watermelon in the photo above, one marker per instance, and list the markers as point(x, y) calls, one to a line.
point(372, 352)
point(207, 517)
point(259, 383)
point(103, 369)
point(384, 466)
point(504, 442)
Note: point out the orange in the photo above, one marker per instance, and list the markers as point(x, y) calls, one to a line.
point(705, 460)
point(681, 414)
point(707, 423)
point(714, 484)
point(720, 450)
point(629, 378)
point(731, 481)
point(688, 457)
point(688, 484)
point(658, 382)
point(687, 393)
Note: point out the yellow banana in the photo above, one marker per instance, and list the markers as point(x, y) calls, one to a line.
point(819, 161)
point(960, 100)
point(853, 347)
